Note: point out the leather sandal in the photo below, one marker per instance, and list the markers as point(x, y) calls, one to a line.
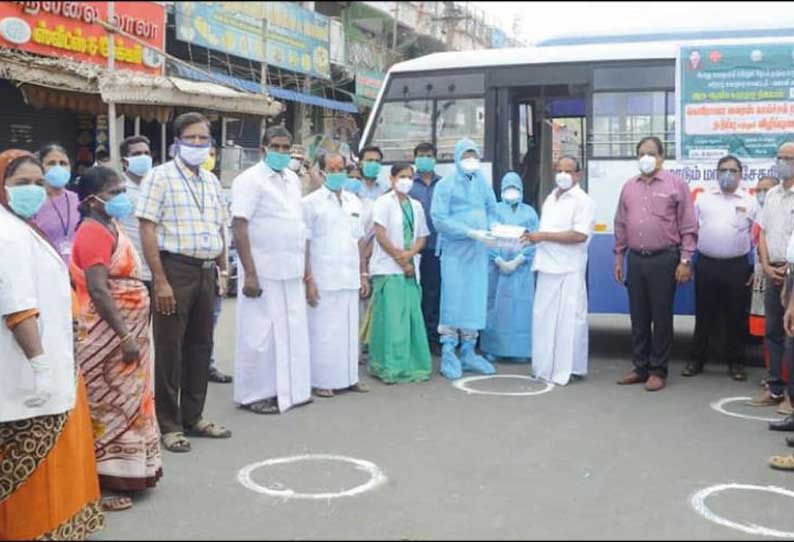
point(692, 369)
point(782, 462)
point(208, 430)
point(115, 503)
point(176, 442)
point(265, 406)
point(322, 392)
point(359, 387)
point(738, 373)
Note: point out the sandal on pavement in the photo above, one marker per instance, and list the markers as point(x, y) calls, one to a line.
point(265, 406)
point(359, 387)
point(738, 374)
point(208, 430)
point(782, 462)
point(692, 369)
point(323, 393)
point(115, 503)
point(176, 442)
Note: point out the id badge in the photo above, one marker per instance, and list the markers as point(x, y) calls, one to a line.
point(65, 248)
point(206, 241)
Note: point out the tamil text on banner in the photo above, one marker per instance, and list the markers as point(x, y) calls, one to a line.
point(72, 30)
point(368, 84)
point(298, 39)
point(235, 28)
point(735, 99)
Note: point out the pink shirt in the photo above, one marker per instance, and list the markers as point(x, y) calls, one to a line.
point(656, 215)
point(58, 220)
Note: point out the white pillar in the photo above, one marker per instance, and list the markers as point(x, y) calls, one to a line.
point(113, 141)
point(137, 125)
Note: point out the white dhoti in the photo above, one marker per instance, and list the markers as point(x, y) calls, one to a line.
point(333, 332)
point(559, 332)
point(272, 344)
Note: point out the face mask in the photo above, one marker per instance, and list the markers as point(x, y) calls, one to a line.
point(425, 164)
point(139, 165)
point(728, 181)
point(370, 169)
point(404, 185)
point(564, 180)
point(785, 170)
point(119, 206)
point(208, 164)
point(470, 165)
point(761, 197)
point(277, 160)
point(647, 164)
point(511, 195)
point(354, 185)
point(335, 181)
point(294, 165)
point(193, 155)
point(26, 200)
point(57, 176)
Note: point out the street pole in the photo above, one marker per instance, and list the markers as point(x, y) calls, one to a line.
point(394, 27)
point(112, 135)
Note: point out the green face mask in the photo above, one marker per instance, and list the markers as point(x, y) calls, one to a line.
point(425, 164)
point(370, 169)
point(335, 181)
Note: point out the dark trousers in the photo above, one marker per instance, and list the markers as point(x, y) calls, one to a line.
point(430, 277)
point(651, 285)
point(776, 342)
point(721, 308)
point(183, 345)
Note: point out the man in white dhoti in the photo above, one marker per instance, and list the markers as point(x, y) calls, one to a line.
point(271, 364)
point(335, 278)
point(559, 334)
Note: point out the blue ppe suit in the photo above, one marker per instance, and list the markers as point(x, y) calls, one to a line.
point(462, 203)
point(508, 333)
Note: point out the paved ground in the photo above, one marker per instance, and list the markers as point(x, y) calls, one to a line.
point(592, 460)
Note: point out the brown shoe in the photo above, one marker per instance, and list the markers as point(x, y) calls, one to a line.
point(785, 407)
point(632, 378)
point(782, 462)
point(654, 383)
point(765, 399)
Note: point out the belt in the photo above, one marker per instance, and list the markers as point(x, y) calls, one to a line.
point(707, 257)
point(189, 260)
point(649, 253)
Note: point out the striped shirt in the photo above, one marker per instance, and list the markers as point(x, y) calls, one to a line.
point(188, 210)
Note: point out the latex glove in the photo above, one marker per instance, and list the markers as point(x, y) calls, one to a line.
point(43, 381)
point(516, 262)
point(478, 235)
point(501, 264)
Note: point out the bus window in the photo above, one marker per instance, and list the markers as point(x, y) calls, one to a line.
point(401, 126)
point(621, 119)
point(456, 119)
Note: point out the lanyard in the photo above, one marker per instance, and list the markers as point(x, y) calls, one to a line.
point(408, 216)
point(64, 225)
point(200, 206)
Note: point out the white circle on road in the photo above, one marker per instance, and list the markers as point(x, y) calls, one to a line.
point(719, 406)
point(463, 385)
point(698, 503)
point(376, 476)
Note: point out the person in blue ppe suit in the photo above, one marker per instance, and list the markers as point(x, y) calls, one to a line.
point(511, 288)
point(463, 210)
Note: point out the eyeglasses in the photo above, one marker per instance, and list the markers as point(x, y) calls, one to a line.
point(786, 158)
point(728, 170)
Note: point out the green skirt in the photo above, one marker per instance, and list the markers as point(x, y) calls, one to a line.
point(398, 347)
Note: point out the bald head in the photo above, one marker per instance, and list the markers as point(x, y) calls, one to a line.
point(332, 162)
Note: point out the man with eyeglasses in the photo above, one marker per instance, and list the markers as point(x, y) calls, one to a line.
point(725, 215)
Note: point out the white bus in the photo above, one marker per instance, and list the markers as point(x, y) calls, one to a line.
point(525, 107)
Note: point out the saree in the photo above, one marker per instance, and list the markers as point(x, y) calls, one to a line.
point(121, 395)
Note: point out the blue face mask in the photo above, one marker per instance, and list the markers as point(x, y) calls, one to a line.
point(118, 206)
point(354, 185)
point(139, 165)
point(728, 181)
point(335, 181)
point(57, 176)
point(277, 160)
point(370, 169)
point(26, 200)
point(425, 164)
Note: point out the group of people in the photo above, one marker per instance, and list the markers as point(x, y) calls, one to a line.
point(110, 295)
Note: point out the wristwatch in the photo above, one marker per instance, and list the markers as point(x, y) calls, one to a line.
point(685, 261)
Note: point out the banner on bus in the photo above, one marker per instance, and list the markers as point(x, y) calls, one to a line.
point(734, 99)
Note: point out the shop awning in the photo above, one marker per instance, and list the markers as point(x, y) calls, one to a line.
point(277, 92)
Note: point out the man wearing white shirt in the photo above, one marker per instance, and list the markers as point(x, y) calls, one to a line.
point(725, 217)
point(559, 332)
point(272, 363)
point(335, 276)
point(136, 161)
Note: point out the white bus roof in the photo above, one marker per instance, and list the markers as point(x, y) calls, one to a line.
point(651, 50)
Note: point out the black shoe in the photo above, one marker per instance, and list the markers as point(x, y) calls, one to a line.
point(786, 424)
point(692, 368)
point(218, 377)
point(790, 441)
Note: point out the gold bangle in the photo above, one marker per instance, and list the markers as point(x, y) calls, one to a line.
point(127, 337)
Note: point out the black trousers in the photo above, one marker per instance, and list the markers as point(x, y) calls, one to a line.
point(720, 308)
point(430, 277)
point(777, 343)
point(183, 346)
point(651, 285)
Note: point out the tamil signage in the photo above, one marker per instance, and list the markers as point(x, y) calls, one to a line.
point(736, 99)
point(297, 39)
point(72, 30)
point(368, 84)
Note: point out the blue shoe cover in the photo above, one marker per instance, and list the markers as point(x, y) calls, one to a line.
point(450, 364)
point(474, 363)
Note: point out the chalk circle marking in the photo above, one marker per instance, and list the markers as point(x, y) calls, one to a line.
point(719, 406)
point(463, 385)
point(376, 477)
point(698, 503)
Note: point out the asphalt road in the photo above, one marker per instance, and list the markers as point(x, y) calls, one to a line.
point(591, 460)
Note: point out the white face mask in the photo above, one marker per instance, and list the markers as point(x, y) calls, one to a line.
point(511, 195)
point(294, 164)
point(404, 185)
point(647, 164)
point(470, 165)
point(193, 155)
point(564, 180)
